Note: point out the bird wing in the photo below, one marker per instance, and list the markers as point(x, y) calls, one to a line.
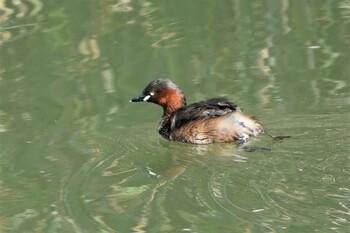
point(205, 109)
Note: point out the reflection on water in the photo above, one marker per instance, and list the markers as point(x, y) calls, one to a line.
point(76, 157)
point(241, 191)
point(18, 19)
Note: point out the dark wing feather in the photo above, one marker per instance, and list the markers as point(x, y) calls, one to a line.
point(205, 109)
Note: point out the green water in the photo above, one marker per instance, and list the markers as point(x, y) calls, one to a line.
point(76, 156)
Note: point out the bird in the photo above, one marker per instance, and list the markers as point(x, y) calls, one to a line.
point(213, 120)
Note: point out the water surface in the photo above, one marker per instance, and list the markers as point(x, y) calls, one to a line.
point(76, 156)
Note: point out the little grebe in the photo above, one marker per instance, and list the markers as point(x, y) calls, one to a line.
point(208, 121)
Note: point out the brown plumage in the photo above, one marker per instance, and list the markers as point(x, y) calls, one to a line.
point(208, 121)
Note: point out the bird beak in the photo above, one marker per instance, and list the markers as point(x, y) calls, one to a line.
point(140, 98)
